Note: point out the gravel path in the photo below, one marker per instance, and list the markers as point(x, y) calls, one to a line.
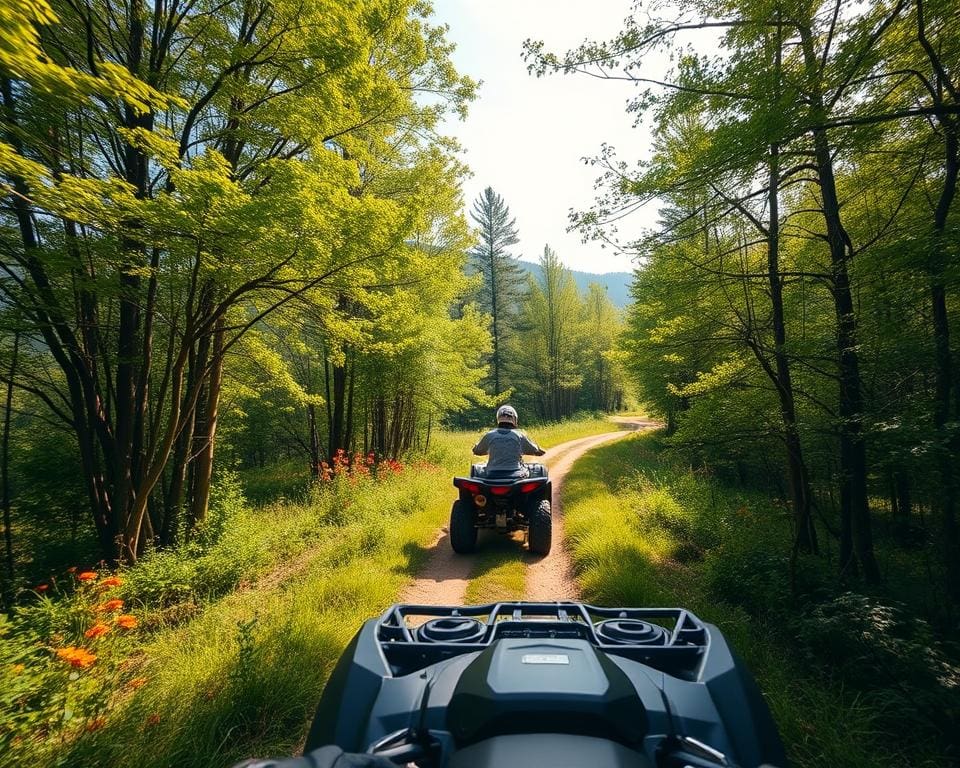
point(444, 579)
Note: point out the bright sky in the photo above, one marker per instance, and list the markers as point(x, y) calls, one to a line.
point(527, 137)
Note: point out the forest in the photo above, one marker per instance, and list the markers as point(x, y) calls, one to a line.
point(193, 259)
point(795, 316)
point(248, 322)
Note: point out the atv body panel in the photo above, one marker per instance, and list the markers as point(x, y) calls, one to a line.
point(464, 686)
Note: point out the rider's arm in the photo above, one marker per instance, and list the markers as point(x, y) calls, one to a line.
point(529, 447)
point(482, 446)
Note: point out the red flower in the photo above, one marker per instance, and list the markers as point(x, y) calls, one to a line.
point(112, 581)
point(87, 576)
point(111, 605)
point(41, 587)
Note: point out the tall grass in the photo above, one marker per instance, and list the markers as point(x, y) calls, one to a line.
point(242, 676)
point(646, 531)
point(239, 629)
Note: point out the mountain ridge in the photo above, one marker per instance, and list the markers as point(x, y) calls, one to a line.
point(616, 283)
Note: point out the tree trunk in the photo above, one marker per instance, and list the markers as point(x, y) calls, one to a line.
point(336, 433)
point(948, 442)
point(203, 462)
point(5, 475)
point(494, 319)
point(855, 511)
point(804, 531)
point(314, 440)
point(348, 428)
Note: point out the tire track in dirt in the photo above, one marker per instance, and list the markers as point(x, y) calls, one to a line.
point(444, 578)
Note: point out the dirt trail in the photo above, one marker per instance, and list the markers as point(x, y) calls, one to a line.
point(445, 577)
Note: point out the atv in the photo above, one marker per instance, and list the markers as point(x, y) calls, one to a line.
point(542, 685)
point(504, 501)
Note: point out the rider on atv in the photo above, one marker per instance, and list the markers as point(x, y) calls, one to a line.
point(506, 445)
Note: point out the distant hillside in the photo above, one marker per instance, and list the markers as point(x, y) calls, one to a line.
point(616, 283)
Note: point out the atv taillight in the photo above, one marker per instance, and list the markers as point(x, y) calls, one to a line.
point(468, 486)
point(500, 490)
point(527, 487)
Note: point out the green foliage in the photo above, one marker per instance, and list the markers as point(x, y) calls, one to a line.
point(235, 638)
point(284, 159)
point(886, 651)
point(547, 351)
point(795, 315)
point(841, 671)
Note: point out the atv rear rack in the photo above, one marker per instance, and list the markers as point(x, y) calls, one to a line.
point(671, 640)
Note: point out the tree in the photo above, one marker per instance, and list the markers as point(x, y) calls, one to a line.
point(148, 233)
point(550, 340)
point(829, 63)
point(602, 324)
point(501, 276)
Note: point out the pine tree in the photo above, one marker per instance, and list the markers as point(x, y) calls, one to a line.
point(502, 277)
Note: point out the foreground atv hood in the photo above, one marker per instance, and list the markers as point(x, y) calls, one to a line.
point(621, 685)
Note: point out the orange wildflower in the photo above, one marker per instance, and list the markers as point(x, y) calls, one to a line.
point(42, 587)
point(18, 668)
point(137, 682)
point(97, 630)
point(126, 621)
point(76, 657)
point(87, 576)
point(111, 605)
point(112, 581)
point(96, 724)
point(153, 719)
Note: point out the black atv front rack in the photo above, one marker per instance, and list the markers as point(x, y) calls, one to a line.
point(671, 640)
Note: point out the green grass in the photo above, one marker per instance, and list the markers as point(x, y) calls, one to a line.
point(645, 531)
point(243, 675)
point(452, 446)
point(238, 630)
point(499, 571)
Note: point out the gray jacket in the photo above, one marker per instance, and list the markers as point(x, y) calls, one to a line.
point(506, 448)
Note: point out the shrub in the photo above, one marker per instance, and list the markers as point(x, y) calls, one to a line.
point(655, 507)
point(882, 648)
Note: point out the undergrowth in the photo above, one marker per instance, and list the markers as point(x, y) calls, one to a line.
point(233, 637)
point(218, 649)
point(853, 679)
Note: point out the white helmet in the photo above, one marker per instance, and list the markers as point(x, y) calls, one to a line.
point(508, 414)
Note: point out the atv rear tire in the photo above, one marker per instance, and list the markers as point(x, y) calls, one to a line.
point(541, 529)
point(463, 529)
